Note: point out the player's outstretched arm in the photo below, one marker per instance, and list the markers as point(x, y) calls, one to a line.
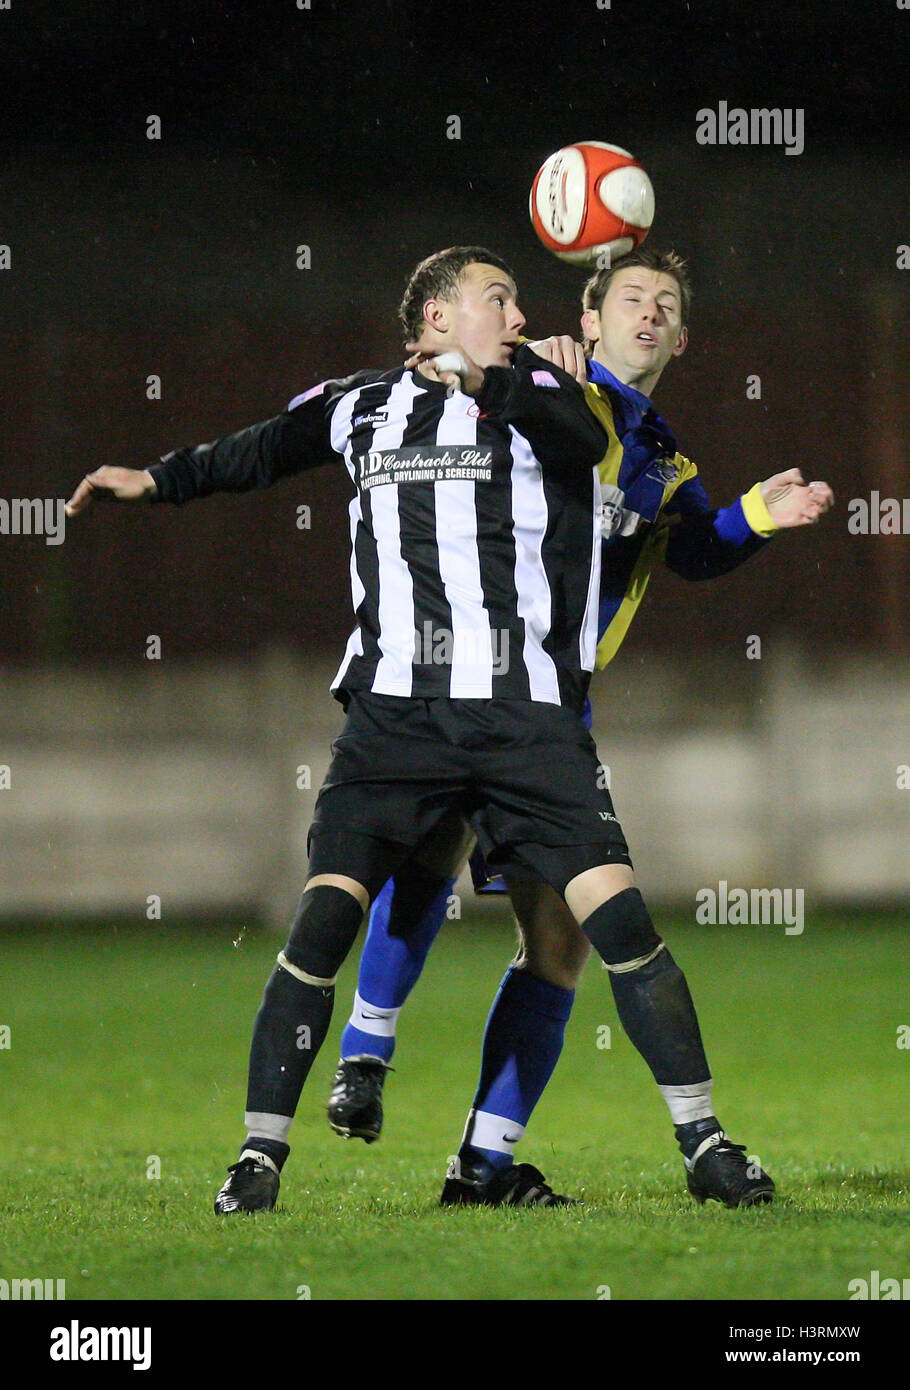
point(112, 484)
point(547, 405)
point(703, 543)
point(297, 439)
point(793, 502)
point(560, 348)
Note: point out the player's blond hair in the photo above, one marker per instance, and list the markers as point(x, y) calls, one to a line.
point(663, 262)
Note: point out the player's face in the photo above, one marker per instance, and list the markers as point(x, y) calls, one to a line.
point(639, 326)
point(484, 318)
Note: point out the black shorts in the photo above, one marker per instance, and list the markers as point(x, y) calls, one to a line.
point(526, 774)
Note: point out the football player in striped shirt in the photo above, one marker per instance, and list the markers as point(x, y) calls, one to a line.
point(475, 512)
point(654, 509)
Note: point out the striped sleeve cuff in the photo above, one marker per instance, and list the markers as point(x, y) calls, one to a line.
point(162, 483)
point(756, 512)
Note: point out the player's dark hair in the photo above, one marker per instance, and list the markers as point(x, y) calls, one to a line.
point(437, 278)
point(664, 262)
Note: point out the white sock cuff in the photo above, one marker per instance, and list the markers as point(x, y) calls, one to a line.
point(371, 1018)
point(688, 1103)
point(259, 1157)
point(496, 1132)
point(264, 1126)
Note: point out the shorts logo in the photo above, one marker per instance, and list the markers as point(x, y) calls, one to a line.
point(608, 815)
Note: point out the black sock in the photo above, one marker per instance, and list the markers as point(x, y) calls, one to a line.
point(290, 1028)
point(689, 1136)
point(294, 1015)
point(656, 1010)
point(272, 1148)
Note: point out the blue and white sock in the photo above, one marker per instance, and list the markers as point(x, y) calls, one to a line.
point(521, 1046)
point(390, 966)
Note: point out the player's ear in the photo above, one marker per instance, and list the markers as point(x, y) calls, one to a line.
point(590, 325)
point(682, 342)
point(435, 314)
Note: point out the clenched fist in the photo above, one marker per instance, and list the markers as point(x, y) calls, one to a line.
point(793, 502)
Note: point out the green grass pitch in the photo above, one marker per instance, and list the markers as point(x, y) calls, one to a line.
point(129, 1045)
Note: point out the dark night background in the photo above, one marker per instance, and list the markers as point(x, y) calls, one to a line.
point(327, 126)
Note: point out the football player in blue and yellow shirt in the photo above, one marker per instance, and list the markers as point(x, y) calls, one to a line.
point(654, 510)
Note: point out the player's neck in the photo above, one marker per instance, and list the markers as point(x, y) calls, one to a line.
point(645, 382)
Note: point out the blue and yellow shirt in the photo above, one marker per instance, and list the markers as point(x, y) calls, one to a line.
point(654, 507)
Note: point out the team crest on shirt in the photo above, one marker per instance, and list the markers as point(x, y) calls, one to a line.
point(663, 470)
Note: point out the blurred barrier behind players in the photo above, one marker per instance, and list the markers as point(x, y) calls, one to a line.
point(193, 785)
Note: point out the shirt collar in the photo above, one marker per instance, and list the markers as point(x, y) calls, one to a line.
point(598, 373)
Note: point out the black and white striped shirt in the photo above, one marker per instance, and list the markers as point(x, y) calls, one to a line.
point(475, 541)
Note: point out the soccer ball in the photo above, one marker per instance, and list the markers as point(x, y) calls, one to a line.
point(591, 203)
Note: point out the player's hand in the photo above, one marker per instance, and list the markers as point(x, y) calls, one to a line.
point(117, 484)
point(793, 502)
point(453, 368)
point(563, 351)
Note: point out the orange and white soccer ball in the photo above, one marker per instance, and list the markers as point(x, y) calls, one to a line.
point(591, 203)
